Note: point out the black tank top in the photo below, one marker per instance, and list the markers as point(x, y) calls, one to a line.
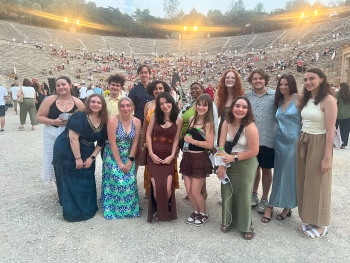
point(197, 136)
point(54, 112)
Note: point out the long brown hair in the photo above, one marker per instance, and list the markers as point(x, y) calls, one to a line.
point(292, 88)
point(249, 118)
point(222, 90)
point(325, 88)
point(344, 92)
point(205, 100)
point(103, 114)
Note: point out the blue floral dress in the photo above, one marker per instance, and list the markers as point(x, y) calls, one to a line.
point(119, 193)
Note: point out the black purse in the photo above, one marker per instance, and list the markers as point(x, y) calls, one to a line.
point(230, 145)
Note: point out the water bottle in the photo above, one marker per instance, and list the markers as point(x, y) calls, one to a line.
point(186, 145)
point(202, 133)
point(221, 152)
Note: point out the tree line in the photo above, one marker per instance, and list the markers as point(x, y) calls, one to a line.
point(237, 20)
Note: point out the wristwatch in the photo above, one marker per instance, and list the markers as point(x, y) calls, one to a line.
point(132, 159)
point(93, 157)
point(236, 158)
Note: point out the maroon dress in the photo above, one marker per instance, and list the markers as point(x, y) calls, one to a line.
point(162, 144)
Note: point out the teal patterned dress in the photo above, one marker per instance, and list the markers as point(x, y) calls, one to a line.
point(119, 194)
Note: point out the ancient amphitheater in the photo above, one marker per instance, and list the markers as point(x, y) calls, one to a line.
point(17, 45)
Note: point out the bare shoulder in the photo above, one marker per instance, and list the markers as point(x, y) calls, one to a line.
point(137, 122)
point(79, 103)
point(251, 127)
point(299, 96)
point(330, 99)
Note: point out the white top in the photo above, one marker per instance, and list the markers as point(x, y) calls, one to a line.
point(3, 93)
point(82, 92)
point(28, 92)
point(242, 143)
point(14, 91)
point(89, 92)
point(313, 118)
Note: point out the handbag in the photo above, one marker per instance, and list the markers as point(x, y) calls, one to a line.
point(20, 98)
point(230, 145)
point(142, 159)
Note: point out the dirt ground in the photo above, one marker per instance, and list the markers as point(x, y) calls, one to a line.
point(32, 228)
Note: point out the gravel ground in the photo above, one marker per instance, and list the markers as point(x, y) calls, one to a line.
point(33, 229)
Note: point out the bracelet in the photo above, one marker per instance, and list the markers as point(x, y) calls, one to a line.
point(53, 122)
point(77, 158)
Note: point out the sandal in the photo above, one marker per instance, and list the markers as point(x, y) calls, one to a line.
point(267, 219)
point(342, 147)
point(21, 128)
point(314, 234)
point(226, 228)
point(281, 217)
point(304, 228)
point(248, 235)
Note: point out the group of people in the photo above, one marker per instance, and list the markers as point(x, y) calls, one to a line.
point(248, 133)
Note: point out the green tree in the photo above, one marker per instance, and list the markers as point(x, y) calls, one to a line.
point(259, 8)
point(171, 8)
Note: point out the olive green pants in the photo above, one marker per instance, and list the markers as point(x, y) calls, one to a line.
point(28, 105)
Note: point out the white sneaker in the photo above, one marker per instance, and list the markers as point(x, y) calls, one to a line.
point(262, 206)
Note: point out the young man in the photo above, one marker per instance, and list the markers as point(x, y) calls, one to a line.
point(13, 93)
point(115, 85)
point(262, 100)
point(140, 97)
point(3, 94)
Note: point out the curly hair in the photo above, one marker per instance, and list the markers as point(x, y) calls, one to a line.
point(222, 93)
point(159, 114)
point(260, 72)
point(249, 118)
point(117, 79)
point(151, 86)
point(324, 90)
point(292, 88)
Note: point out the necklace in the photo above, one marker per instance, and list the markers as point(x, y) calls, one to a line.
point(166, 120)
point(64, 104)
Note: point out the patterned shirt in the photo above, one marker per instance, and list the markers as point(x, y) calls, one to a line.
point(264, 112)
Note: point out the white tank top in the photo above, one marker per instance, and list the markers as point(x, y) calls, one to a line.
point(242, 143)
point(313, 118)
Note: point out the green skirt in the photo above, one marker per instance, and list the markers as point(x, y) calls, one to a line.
point(236, 195)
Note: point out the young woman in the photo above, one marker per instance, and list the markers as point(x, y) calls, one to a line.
point(119, 194)
point(236, 194)
point(28, 104)
point(343, 117)
point(74, 155)
point(195, 164)
point(314, 154)
point(288, 104)
point(162, 141)
point(154, 89)
point(49, 114)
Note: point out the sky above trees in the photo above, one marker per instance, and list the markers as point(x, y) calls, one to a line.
point(156, 6)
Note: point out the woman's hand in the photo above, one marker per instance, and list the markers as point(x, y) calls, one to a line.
point(156, 159)
point(228, 158)
point(221, 171)
point(188, 138)
point(128, 166)
point(88, 163)
point(60, 122)
point(326, 165)
point(79, 163)
point(122, 167)
point(167, 160)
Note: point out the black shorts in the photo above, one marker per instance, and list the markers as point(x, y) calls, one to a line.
point(2, 110)
point(266, 157)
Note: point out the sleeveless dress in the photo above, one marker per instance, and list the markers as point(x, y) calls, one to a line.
point(50, 133)
point(77, 187)
point(119, 193)
point(146, 175)
point(313, 188)
point(236, 195)
point(284, 192)
point(162, 143)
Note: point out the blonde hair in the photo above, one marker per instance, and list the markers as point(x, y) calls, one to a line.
point(125, 98)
